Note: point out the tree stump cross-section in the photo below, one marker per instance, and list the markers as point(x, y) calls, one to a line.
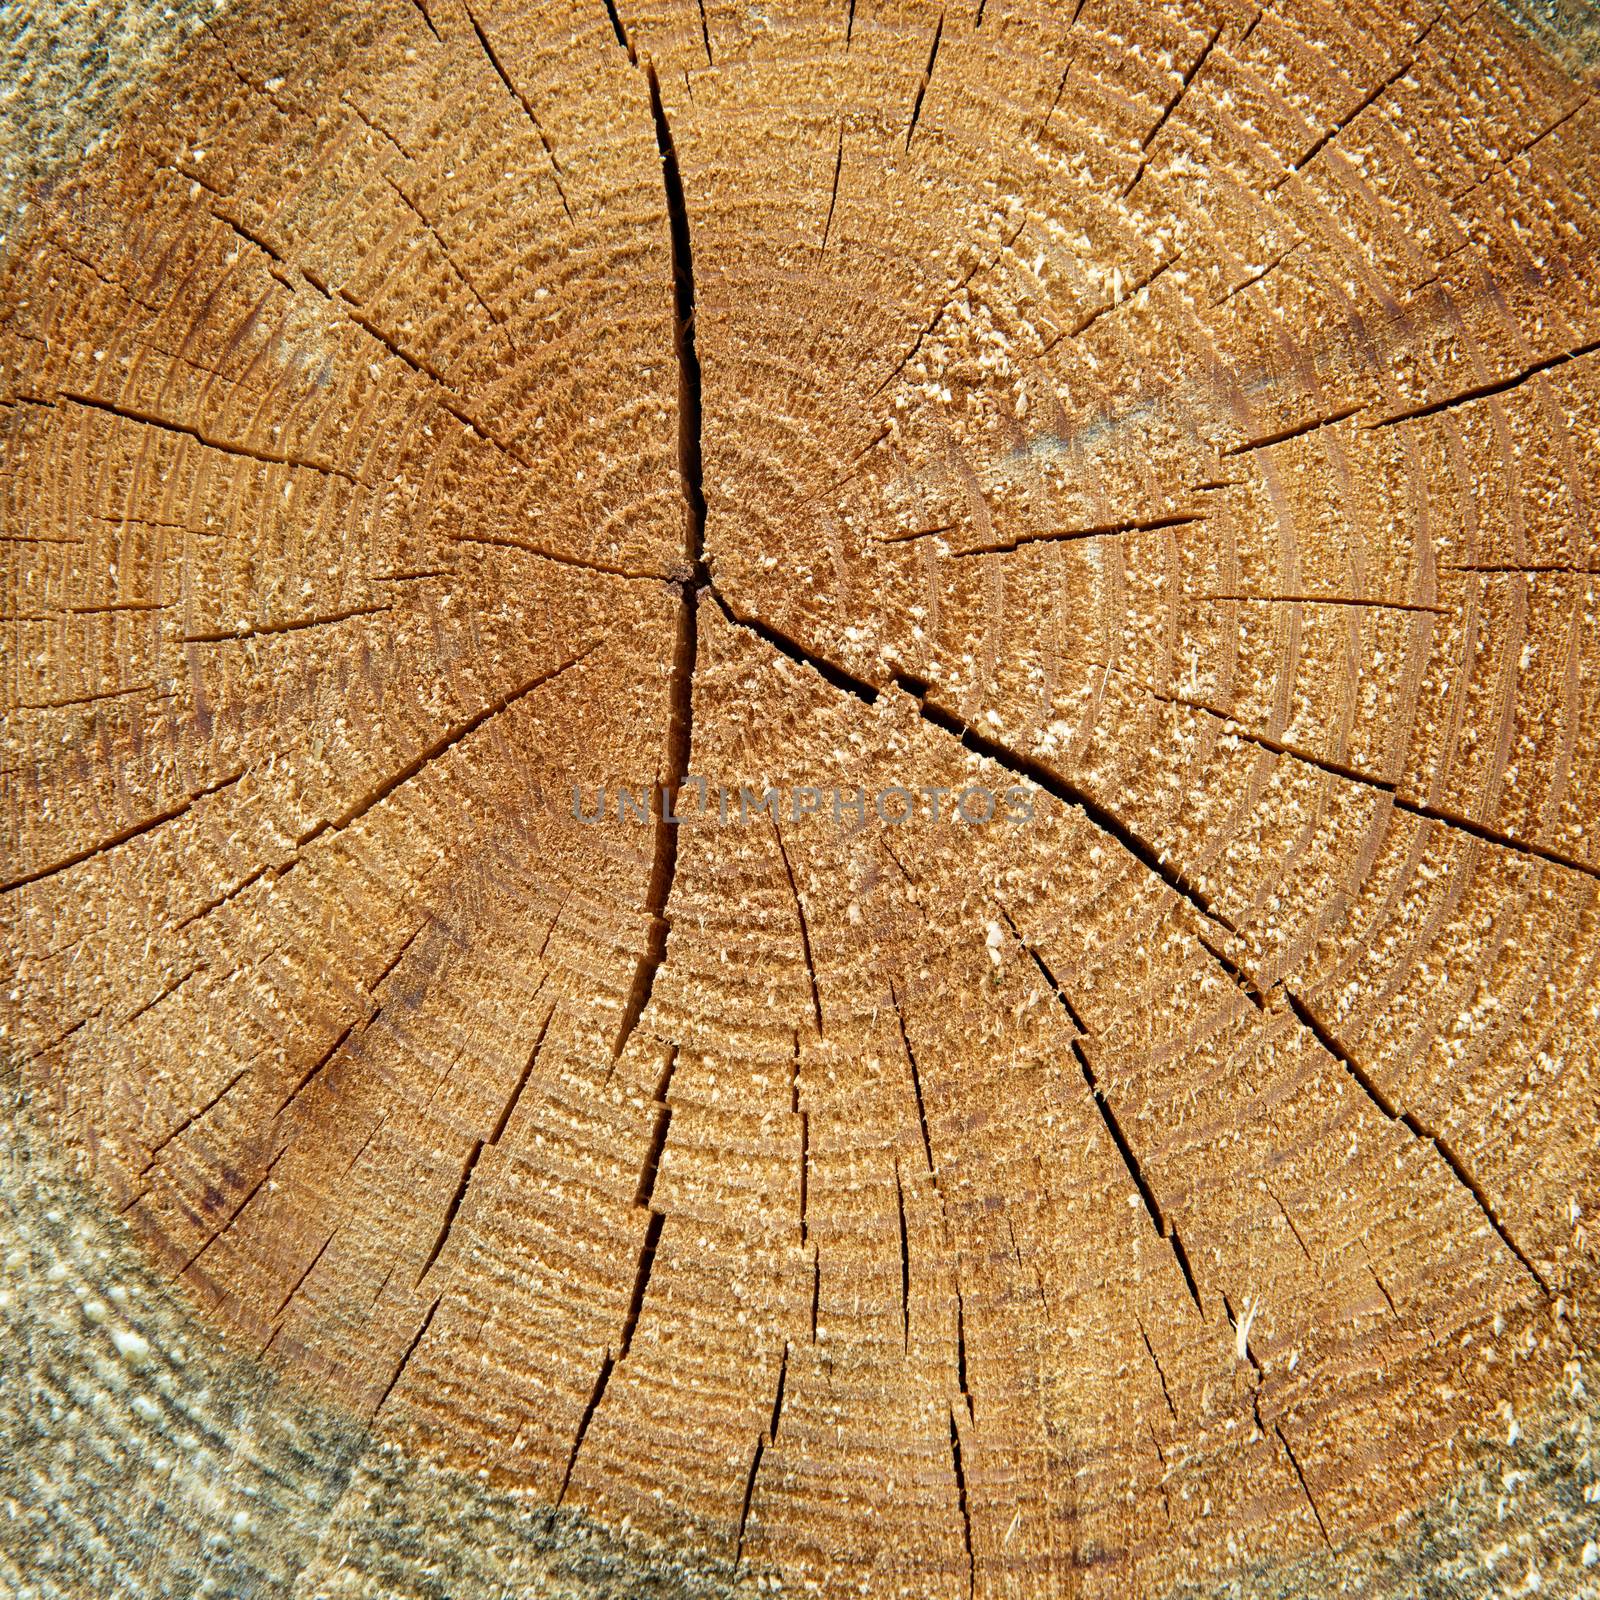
point(818, 784)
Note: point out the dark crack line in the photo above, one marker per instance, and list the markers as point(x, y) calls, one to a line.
point(833, 197)
point(428, 19)
point(1298, 1238)
point(1387, 1298)
point(769, 1437)
point(961, 1502)
point(1098, 531)
point(167, 993)
point(84, 700)
point(1412, 808)
point(1088, 320)
point(372, 127)
point(581, 563)
point(299, 1282)
point(1503, 166)
point(322, 1061)
point(234, 1215)
point(805, 1173)
point(266, 629)
point(193, 1117)
point(1013, 761)
point(1166, 1393)
point(406, 1355)
point(915, 533)
point(1258, 1373)
point(596, 1395)
point(1368, 100)
point(680, 690)
point(916, 1078)
point(439, 747)
point(1305, 1488)
point(800, 919)
point(1297, 431)
point(1069, 794)
point(226, 446)
point(523, 101)
point(258, 240)
point(1246, 984)
point(650, 1168)
point(749, 1495)
point(926, 79)
point(473, 1155)
point(961, 1351)
point(619, 30)
point(450, 261)
point(917, 343)
point(451, 1210)
point(1485, 391)
point(1177, 100)
point(356, 1028)
point(905, 1259)
point(124, 836)
point(1256, 277)
point(831, 672)
point(1413, 1124)
point(1363, 601)
point(641, 1283)
point(515, 1097)
point(1158, 1218)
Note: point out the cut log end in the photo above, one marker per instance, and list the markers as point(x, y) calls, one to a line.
point(809, 800)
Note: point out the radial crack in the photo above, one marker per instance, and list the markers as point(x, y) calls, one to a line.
point(596, 1395)
point(767, 1438)
point(916, 1076)
point(680, 688)
point(266, 629)
point(905, 1259)
point(522, 100)
point(583, 564)
point(961, 1351)
point(229, 447)
point(1414, 808)
point(800, 917)
point(1296, 431)
point(833, 197)
point(1158, 1219)
point(134, 831)
point(406, 1355)
point(439, 747)
point(926, 79)
point(1484, 391)
point(1155, 1361)
point(1053, 784)
point(451, 1210)
point(651, 1165)
point(1014, 761)
point(1171, 106)
point(1325, 1037)
point(961, 1502)
point(1097, 531)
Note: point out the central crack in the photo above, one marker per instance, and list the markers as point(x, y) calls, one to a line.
point(691, 578)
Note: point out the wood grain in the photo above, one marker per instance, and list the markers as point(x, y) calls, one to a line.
point(1182, 415)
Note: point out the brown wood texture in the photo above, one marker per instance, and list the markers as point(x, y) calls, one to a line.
point(1181, 420)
